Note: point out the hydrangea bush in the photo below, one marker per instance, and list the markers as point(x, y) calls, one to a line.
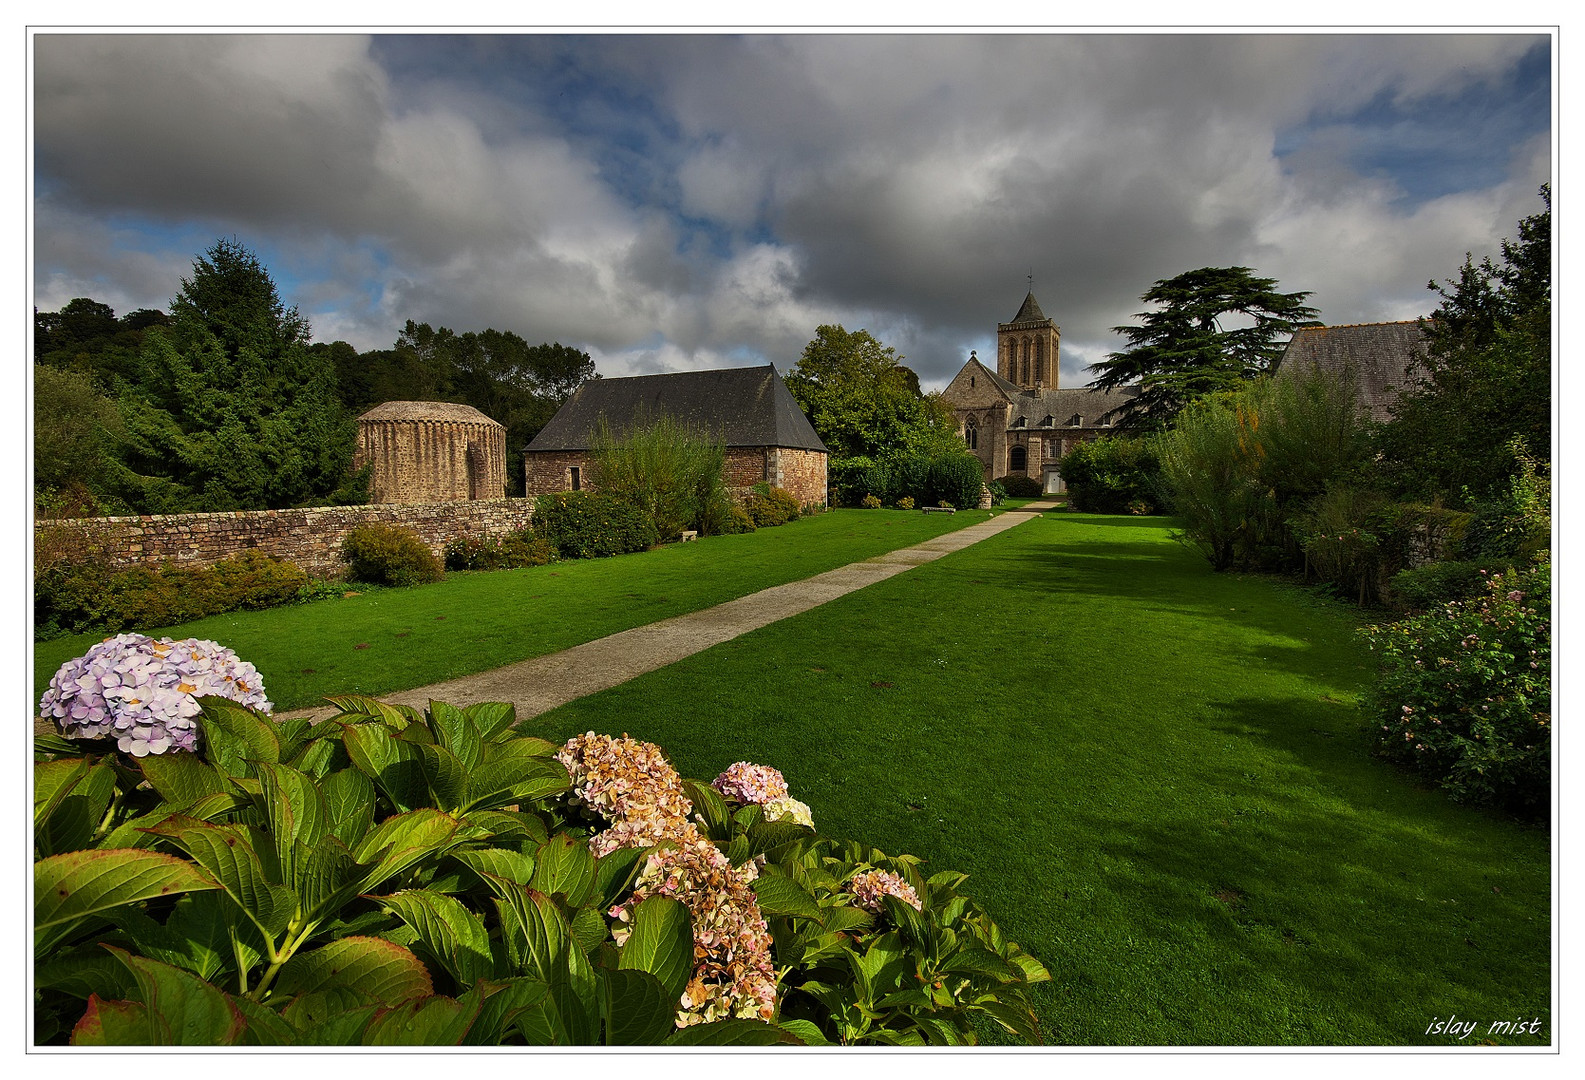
point(143, 693)
point(394, 876)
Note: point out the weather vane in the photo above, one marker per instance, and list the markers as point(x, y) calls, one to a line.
point(1031, 279)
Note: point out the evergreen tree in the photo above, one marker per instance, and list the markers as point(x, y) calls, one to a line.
point(1487, 378)
point(229, 409)
point(1214, 329)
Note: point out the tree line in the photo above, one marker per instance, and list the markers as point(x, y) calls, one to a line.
point(223, 403)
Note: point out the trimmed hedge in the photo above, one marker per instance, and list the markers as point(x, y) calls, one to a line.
point(74, 598)
point(591, 524)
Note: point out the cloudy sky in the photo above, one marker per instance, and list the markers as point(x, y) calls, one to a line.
point(681, 201)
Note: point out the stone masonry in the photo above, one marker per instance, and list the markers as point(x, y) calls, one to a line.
point(431, 451)
point(310, 537)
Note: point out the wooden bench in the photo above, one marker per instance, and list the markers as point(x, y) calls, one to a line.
point(939, 509)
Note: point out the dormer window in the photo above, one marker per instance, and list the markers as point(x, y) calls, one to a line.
point(1048, 421)
point(1076, 420)
point(1020, 422)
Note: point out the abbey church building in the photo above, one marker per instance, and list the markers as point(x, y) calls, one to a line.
point(1016, 419)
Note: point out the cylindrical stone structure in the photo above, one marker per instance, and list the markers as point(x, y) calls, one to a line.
point(431, 451)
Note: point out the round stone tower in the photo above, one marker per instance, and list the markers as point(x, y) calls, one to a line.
point(431, 451)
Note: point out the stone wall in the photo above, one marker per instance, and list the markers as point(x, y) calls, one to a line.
point(310, 537)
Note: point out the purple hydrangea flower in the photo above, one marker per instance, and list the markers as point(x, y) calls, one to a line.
point(143, 692)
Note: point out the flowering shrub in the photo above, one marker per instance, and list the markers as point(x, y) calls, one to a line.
point(905, 503)
point(868, 886)
point(1464, 695)
point(744, 782)
point(143, 692)
point(507, 553)
point(870, 502)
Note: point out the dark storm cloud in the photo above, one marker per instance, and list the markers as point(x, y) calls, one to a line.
point(684, 200)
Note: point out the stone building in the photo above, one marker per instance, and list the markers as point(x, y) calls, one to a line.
point(431, 452)
point(1386, 358)
point(1016, 419)
point(768, 438)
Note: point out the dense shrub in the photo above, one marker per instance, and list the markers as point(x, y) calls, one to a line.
point(769, 506)
point(1464, 696)
point(1243, 467)
point(870, 502)
point(1109, 475)
point(905, 503)
point(1516, 522)
point(593, 524)
point(76, 597)
point(389, 555)
point(927, 478)
point(509, 552)
point(669, 469)
point(1422, 587)
point(1018, 486)
point(439, 878)
point(1342, 535)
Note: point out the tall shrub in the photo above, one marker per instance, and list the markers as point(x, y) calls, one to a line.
point(669, 469)
point(1112, 476)
point(1210, 459)
point(590, 524)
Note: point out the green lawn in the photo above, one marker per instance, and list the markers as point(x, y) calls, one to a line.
point(1155, 775)
point(1156, 778)
point(386, 640)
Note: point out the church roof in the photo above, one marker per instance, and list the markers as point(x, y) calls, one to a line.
point(1029, 312)
point(743, 406)
point(1386, 357)
point(1046, 410)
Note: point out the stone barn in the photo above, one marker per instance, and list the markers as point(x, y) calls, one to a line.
point(768, 438)
point(431, 452)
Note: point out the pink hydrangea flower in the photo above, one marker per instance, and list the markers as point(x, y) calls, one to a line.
point(142, 692)
point(868, 886)
point(745, 782)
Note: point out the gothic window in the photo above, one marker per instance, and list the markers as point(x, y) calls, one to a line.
point(1017, 460)
point(1040, 361)
point(971, 434)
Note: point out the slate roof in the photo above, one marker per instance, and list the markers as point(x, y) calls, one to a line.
point(1029, 312)
point(745, 406)
point(1049, 410)
point(1387, 357)
point(446, 411)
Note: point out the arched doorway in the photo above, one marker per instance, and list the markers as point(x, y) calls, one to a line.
point(1017, 460)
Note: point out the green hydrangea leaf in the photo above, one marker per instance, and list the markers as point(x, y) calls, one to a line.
point(639, 1011)
point(380, 969)
point(69, 888)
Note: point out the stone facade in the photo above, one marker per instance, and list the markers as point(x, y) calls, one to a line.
point(430, 452)
point(1016, 419)
point(800, 472)
point(767, 437)
point(310, 537)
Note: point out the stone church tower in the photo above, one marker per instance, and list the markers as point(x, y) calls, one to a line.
point(1026, 348)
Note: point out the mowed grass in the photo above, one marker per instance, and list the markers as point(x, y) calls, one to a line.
point(1155, 777)
point(386, 640)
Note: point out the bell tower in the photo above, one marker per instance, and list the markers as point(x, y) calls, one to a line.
point(1026, 347)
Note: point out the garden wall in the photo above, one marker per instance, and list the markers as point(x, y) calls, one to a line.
point(310, 537)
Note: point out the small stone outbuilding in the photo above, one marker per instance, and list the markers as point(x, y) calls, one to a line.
point(768, 438)
point(431, 452)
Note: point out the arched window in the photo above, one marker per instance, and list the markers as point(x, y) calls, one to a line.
point(1017, 460)
point(971, 434)
point(1040, 361)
